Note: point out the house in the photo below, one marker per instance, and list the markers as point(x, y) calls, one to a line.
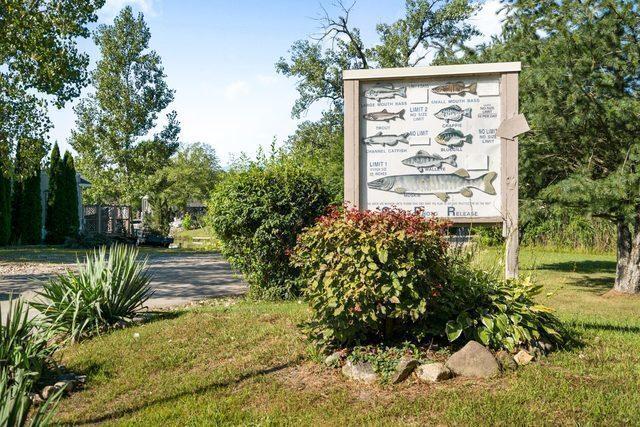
point(44, 195)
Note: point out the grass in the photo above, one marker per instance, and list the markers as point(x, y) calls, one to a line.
point(234, 362)
point(185, 239)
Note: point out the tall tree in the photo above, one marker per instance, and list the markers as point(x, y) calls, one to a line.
point(26, 205)
point(5, 210)
point(580, 91)
point(54, 222)
point(39, 64)
point(114, 152)
point(428, 31)
point(70, 192)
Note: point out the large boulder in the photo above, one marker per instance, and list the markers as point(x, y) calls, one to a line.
point(473, 360)
point(360, 371)
point(405, 367)
point(433, 372)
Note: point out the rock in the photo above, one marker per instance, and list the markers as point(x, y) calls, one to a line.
point(405, 367)
point(333, 360)
point(433, 372)
point(48, 391)
point(473, 360)
point(523, 357)
point(35, 399)
point(545, 346)
point(360, 371)
point(506, 361)
point(68, 386)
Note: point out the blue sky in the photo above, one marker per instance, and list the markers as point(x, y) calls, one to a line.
point(219, 57)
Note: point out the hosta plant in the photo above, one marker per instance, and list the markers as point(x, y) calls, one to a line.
point(370, 276)
point(110, 287)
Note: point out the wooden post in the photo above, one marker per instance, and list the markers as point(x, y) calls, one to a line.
point(352, 143)
point(509, 108)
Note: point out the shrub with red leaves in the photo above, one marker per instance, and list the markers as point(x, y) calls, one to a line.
point(370, 276)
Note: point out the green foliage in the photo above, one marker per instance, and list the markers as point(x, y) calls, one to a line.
point(384, 360)
point(111, 138)
point(257, 213)
point(39, 64)
point(55, 219)
point(26, 215)
point(370, 276)
point(15, 402)
point(187, 222)
point(5, 209)
point(23, 345)
point(496, 312)
point(104, 292)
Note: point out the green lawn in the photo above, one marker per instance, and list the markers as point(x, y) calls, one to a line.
point(236, 362)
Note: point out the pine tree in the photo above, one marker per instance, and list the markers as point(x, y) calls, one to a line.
point(27, 206)
point(70, 196)
point(5, 210)
point(55, 217)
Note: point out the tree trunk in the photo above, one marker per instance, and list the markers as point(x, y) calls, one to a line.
point(628, 263)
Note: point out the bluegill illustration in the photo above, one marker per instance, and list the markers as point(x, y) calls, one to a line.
point(453, 138)
point(384, 116)
point(453, 113)
point(440, 185)
point(423, 160)
point(389, 139)
point(385, 92)
point(457, 88)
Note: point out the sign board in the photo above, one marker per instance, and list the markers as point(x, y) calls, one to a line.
point(441, 139)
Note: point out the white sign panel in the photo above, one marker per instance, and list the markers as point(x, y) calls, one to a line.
point(431, 144)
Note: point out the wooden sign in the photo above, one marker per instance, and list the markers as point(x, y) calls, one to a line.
point(442, 139)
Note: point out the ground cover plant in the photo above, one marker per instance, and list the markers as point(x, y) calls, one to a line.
point(257, 213)
point(108, 289)
point(241, 362)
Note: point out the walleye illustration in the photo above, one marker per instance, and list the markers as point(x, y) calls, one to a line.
point(385, 116)
point(423, 160)
point(383, 140)
point(453, 138)
point(457, 88)
point(385, 92)
point(440, 185)
point(453, 113)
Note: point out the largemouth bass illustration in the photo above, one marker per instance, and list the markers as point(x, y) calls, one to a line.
point(423, 160)
point(384, 116)
point(440, 185)
point(457, 88)
point(385, 92)
point(453, 113)
point(383, 140)
point(453, 138)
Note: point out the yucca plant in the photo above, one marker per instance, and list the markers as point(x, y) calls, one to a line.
point(107, 289)
point(15, 403)
point(23, 345)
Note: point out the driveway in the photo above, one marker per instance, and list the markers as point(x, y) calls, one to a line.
point(178, 277)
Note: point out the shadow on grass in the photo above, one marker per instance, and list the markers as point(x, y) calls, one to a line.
point(597, 285)
point(586, 267)
point(608, 327)
point(200, 390)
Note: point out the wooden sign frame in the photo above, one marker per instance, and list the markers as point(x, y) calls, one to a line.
point(508, 73)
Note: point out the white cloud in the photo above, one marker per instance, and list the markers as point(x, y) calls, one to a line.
point(488, 21)
point(236, 90)
point(112, 7)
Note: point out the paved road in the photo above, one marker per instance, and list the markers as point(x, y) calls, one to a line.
point(178, 277)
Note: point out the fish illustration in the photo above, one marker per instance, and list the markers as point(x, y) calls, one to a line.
point(383, 140)
point(385, 116)
point(440, 185)
point(385, 92)
point(423, 160)
point(453, 113)
point(453, 138)
point(457, 88)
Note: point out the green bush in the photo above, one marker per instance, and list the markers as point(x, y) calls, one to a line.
point(499, 313)
point(15, 403)
point(370, 276)
point(257, 213)
point(23, 345)
point(104, 292)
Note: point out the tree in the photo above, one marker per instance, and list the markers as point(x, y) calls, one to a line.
point(26, 206)
point(112, 123)
point(5, 210)
point(39, 63)
point(55, 218)
point(580, 92)
point(70, 192)
point(429, 30)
